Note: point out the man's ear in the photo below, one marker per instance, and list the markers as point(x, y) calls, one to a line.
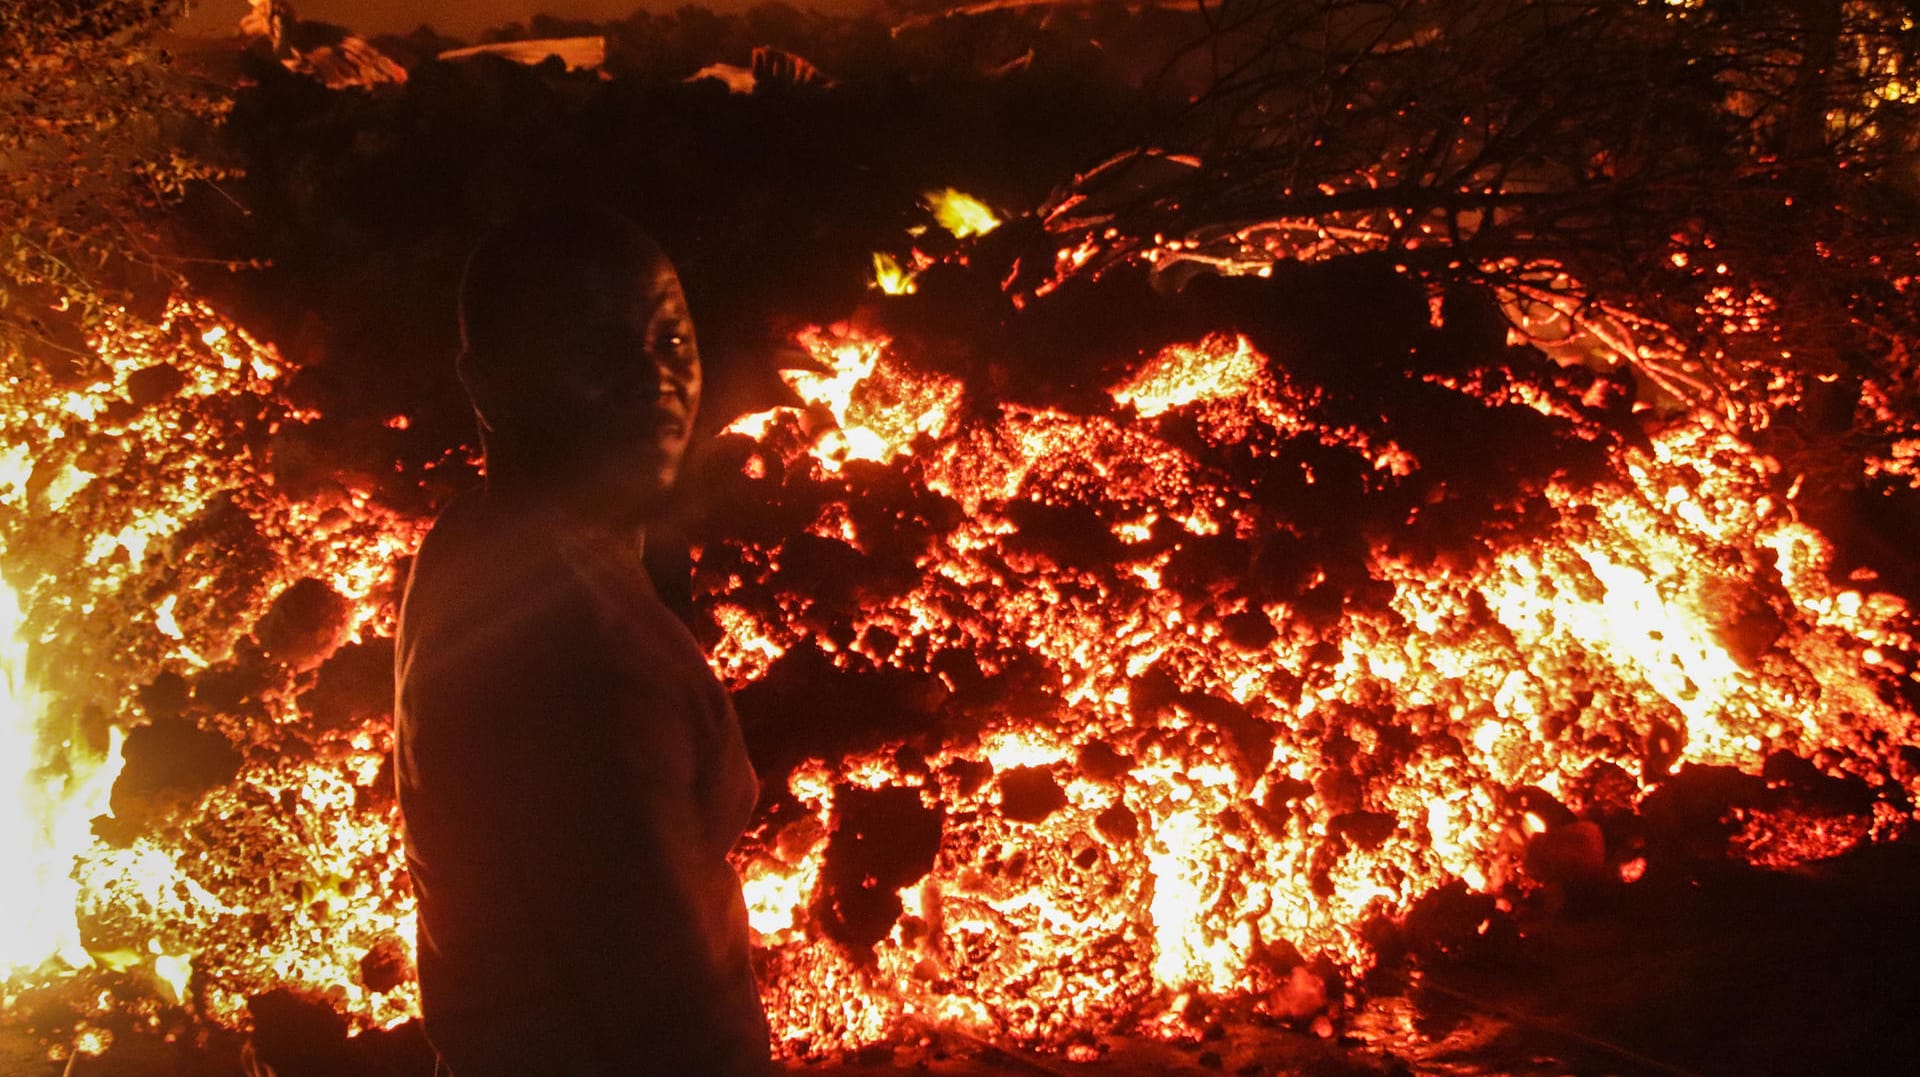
point(481, 386)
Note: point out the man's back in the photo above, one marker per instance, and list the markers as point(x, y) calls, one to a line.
point(572, 777)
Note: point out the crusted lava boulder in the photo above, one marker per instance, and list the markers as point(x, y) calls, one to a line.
point(1570, 855)
point(352, 687)
point(304, 624)
point(170, 764)
point(386, 966)
point(806, 705)
point(1690, 816)
point(882, 840)
point(1030, 794)
point(299, 1034)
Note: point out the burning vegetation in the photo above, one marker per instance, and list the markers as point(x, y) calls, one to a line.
point(1158, 602)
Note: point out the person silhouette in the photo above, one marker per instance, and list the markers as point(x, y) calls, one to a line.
point(571, 774)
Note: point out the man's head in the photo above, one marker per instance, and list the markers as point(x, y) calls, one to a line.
point(580, 360)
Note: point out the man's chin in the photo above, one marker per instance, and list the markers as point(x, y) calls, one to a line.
point(634, 495)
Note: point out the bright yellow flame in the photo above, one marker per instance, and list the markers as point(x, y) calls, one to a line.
point(1219, 367)
point(175, 972)
point(1185, 886)
point(776, 900)
point(890, 276)
point(878, 409)
point(960, 213)
point(49, 795)
point(848, 363)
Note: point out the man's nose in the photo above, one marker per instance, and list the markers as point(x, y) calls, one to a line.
point(676, 371)
point(651, 381)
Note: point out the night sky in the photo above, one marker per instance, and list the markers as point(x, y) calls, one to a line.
point(463, 18)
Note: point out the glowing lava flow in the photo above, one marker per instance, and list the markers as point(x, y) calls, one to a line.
point(1169, 737)
point(150, 543)
point(1215, 787)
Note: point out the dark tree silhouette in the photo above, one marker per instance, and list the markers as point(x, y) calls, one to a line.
point(1718, 190)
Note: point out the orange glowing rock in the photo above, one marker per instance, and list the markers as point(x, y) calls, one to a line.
point(1162, 736)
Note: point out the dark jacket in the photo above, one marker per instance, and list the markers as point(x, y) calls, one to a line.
point(572, 777)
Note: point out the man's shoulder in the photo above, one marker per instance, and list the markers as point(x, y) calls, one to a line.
point(483, 574)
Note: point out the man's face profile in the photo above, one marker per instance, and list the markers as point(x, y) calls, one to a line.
point(618, 393)
point(589, 380)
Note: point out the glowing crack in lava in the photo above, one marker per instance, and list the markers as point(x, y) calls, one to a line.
point(1152, 744)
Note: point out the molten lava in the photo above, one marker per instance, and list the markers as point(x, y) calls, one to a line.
point(1288, 783)
point(1156, 746)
